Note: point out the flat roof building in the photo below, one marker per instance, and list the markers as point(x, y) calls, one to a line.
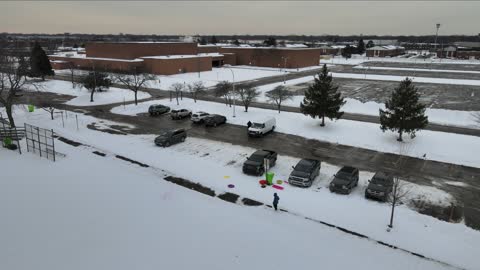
point(167, 58)
point(385, 51)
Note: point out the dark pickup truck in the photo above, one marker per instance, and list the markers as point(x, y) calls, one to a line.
point(254, 164)
point(345, 180)
point(304, 173)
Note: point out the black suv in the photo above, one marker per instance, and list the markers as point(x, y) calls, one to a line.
point(345, 180)
point(304, 173)
point(380, 186)
point(254, 164)
point(214, 120)
point(171, 137)
point(158, 109)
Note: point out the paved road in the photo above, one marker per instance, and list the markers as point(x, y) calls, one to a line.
point(461, 181)
point(348, 116)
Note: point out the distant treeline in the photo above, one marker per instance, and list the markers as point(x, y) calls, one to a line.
point(70, 39)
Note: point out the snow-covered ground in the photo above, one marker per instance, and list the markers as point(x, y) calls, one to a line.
point(438, 116)
point(116, 95)
point(211, 78)
point(82, 95)
point(354, 133)
point(118, 216)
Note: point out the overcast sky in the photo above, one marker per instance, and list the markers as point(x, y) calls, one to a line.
point(241, 17)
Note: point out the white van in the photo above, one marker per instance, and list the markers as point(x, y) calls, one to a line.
point(262, 127)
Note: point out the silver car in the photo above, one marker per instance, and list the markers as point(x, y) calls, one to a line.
point(180, 113)
point(199, 117)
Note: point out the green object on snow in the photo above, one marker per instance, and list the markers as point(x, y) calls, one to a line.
point(7, 141)
point(31, 108)
point(269, 177)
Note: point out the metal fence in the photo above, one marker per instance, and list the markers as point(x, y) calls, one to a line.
point(40, 141)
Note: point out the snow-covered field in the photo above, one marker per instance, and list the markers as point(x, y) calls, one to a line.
point(354, 133)
point(118, 216)
point(211, 78)
point(82, 95)
point(438, 116)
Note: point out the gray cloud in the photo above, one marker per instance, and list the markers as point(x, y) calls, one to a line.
point(246, 17)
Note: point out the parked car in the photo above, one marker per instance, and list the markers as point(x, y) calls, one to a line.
point(255, 163)
point(198, 117)
point(345, 180)
point(262, 127)
point(214, 120)
point(304, 173)
point(171, 137)
point(180, 114)
point(380, 186)
point(158, 109)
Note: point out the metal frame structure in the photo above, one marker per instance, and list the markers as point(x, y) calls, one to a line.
point(41, 141)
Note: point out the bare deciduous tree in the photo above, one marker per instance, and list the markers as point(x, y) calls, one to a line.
point(134, 80)
point(224, 89)
point(71, 68)
point(278, 95)
point(247, 94)
point(196, 88)
point(177, 89)
point(400, 188)
point(96, 81)
point(49, 108)
point(13, 79)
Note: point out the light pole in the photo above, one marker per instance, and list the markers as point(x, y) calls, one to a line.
point(284, 69)
point(233, 86)
point(436, 35)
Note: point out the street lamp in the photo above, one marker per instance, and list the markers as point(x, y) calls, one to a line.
point(233, 85)
point(436, 35)
point(284, 69)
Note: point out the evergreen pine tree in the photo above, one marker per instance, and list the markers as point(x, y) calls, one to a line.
point(322, 98)
point(370, 44)
point(96, 81)
point(360, 47)
point(39, 63)
point(213, 40)
point(271, 42)
point(347, 52)
point(404, 113)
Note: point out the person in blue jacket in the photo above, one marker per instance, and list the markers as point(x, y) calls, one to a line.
point(275, 200)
